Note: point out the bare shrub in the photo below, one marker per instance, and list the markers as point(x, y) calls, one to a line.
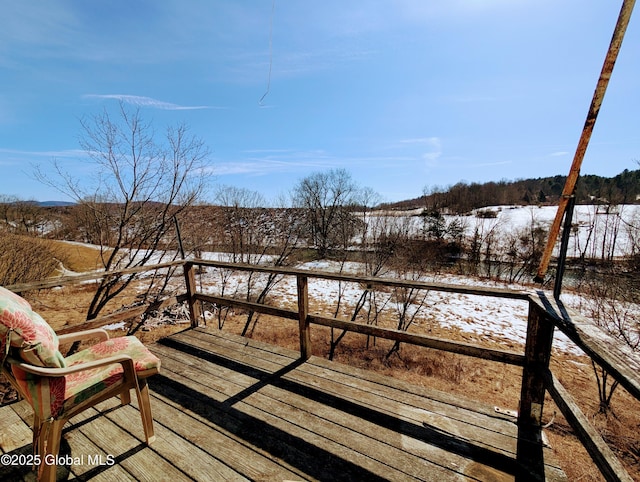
point(611, 300)
point(24, 259)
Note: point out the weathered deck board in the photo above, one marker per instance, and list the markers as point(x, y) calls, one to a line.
point(365, 388)
point(411, 407)
point(378, 402)
point(295, 419)
point(229, 408)
point(189, 456)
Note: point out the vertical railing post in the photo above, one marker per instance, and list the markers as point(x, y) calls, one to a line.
point(303, 311)
point(195, 313)
point(537, 355)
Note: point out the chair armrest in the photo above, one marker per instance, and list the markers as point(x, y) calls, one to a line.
point(125, 360)
point(99, 333)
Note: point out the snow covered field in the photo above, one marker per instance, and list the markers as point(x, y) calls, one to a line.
point(486, 318)
point(595, 232)
point(616, 232)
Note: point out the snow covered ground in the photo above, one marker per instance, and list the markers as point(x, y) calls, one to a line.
point(485, 318)
point(489, 319)
point(595, 231)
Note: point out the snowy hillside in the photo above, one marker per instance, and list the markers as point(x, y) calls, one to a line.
point(595, 232)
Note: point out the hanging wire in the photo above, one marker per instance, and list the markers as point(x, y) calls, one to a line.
point(273, 7)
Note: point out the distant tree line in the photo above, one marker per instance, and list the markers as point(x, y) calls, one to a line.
point(464, 197)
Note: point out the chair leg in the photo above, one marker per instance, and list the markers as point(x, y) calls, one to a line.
point(50, 436)
point(37, 427)
point(125, 397)
point(142, 391)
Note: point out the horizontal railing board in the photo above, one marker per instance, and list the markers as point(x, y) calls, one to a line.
point(387, 333)
point(422, 340)
point(80, 278)
point(248, 305)
point(608, 352)
point(122, 315)
point(602, 455)
point(453, 288)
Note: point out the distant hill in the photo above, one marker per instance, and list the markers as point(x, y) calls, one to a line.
point(462, 197)
point(48, 204)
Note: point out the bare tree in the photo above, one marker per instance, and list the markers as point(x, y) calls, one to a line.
point(20, 216)
point(243, 234)
point(281, 237)
point(255, 234)
point(326, 198)
point(141, 183)
point(610, 298)
point(409, 263)
point(610, 293)
point(522, 249)
point(482, 245)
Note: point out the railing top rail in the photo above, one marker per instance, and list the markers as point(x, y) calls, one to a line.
point(600, 346)
point(453, 288)
point(93, 275)
point(368, 280)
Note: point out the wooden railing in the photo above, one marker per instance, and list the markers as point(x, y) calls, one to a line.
point(544, 315)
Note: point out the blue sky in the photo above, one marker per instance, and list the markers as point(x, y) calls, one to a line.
point(402, 93)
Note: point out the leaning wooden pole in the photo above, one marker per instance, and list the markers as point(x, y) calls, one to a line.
point(596, 102)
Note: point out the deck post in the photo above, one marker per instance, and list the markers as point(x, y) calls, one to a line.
point(195, 313)
point(303, 311)
point(537, 355)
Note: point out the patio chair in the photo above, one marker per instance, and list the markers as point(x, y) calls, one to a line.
point(58, 388)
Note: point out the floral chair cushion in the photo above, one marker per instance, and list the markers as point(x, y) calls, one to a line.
point(44, 394)
point(50, 397)
point(128, 345)
point(5, 293)
point(23, 329)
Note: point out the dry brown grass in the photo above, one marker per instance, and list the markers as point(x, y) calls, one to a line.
point(25, 258)
point(490, 383)
point(77, 257)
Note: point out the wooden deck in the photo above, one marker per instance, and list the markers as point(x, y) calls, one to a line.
point(229, 408)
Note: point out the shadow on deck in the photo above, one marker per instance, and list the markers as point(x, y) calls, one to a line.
point(230, 408)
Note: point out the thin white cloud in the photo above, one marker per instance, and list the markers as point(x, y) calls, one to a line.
point(267, 151)
point(141, 101)
point(14, 153)
point(419, 140)
point(490, 164)
point(435, 149)
point(261, 167)
point(559, 153)
point(260, 162)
